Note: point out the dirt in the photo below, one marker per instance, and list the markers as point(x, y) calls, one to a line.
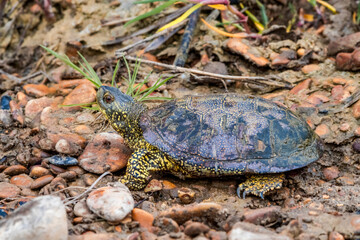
point(312, 204)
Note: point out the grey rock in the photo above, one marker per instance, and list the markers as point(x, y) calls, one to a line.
point(248, 231)
point(42, 218)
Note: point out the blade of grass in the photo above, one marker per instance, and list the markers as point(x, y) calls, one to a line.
point(114, 74)
point(97, 108)
point(181, 18)
point(142, 84)
point(293, 19)
point(264, 16)
point(152, 12)
point(358, 14)
point(135, 72)
point(65, 59)
point(129, 90)
point(156, 86)
point(90, 69)
point(77, 104)
point(156, 98)
point(257, 23)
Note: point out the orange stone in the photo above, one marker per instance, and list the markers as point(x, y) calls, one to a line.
point(144, 218)
point(310, 68)
point(23, 181)
point(8, 190)
point(38, 90)
point(83, 93)
point(356, 110)
point(357, 132)
point(15, 170)
point(301, 86)
point(339, 81)
point(168, 185)
point(237, 46)
point(41, 181)
point(22, 99)
point(300, 52)
point(322, 130)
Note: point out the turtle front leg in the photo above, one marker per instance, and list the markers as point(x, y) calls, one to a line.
point(138, 169)
point(260, 184)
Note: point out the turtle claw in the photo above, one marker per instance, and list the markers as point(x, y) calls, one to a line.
point(259, 185)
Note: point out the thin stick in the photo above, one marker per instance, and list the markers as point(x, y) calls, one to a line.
point(124, 49)
point(87, 190)
point(254, 80)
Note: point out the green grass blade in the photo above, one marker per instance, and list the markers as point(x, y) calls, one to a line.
point(264, 16)
point(96, 108)
point(156, 98)
point(134, 75)
point(152, 12)
point(92, 72)
point(114, 74)
point(65, 59)
point(153, 88)
point(142, 84)
point(77, 104)
point(129, 90)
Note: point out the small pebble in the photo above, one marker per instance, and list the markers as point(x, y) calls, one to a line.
point(356, 145)
point(310, 68)
point(322, 130)
point(106, 152)
point(62, 160)
point(248, 231)
point(84, 93)
point(5, 118)
point(356, 110)
point(263, 216)
point(195, 228)
point(331, 173)
point(5, 102)
point(42, 218)
point(301, 87)
point(336, 236)
point(82, 210)
point(111, 203)
point(41, 181)
point(186, 195)
point(344, 127)
point(144, 218)
point(15, 170)
point(38, 171)
point(35, 106)
point(153, 186)
point(22, 181)
point(167, 225)
point(38, 90)
point(8, 190)
point(211, 211)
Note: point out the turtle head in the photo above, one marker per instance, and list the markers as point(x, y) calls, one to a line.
point(120, 109)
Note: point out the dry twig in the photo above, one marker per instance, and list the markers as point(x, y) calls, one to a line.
point(278, 82)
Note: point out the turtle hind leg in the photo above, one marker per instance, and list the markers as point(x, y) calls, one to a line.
point(260, 184)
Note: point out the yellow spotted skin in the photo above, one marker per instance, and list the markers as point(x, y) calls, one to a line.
point(212, 136)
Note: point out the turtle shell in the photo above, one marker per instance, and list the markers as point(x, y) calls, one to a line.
point(230, 132)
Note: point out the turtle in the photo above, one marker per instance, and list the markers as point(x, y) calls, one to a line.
point(216, 135)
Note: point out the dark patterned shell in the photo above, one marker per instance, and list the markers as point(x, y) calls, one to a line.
point(231, 132)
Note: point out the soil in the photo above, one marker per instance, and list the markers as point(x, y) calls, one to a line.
point(315, 201)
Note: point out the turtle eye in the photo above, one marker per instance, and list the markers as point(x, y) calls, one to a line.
point(108, 98)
